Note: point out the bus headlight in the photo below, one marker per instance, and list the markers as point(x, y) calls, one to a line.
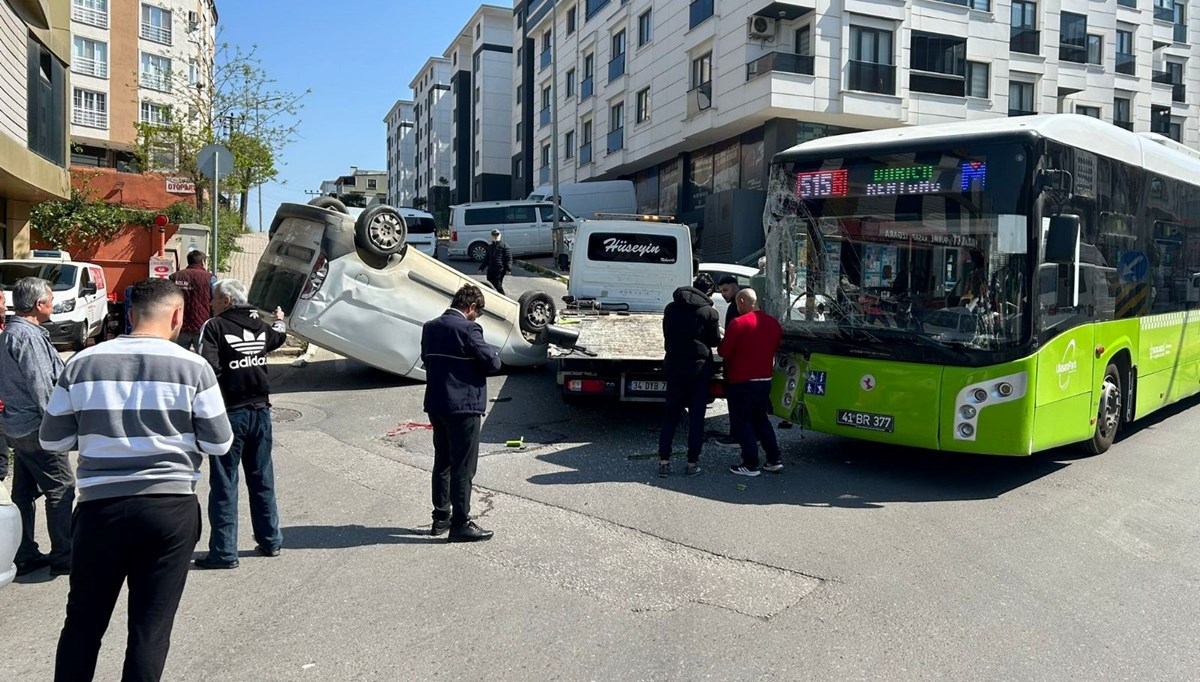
point(966, 430)
point(973, 399)
point(1005, 389)
point(968, 412)
point(788, 400)
point(980, 395)
point(791, 386)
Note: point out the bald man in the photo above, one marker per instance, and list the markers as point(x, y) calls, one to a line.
point(749, 348)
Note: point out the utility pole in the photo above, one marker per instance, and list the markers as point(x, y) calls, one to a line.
point(554, 113)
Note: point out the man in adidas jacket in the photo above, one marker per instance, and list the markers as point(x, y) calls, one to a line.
point(236, 342)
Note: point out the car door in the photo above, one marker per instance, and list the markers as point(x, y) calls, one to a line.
point(97, 302)
point(522, 228)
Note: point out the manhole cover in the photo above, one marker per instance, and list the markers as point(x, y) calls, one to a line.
point(283, 414)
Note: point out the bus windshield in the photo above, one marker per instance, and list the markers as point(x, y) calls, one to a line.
point(919, 255)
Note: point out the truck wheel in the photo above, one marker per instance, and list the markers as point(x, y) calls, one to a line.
point(477, 252)
point(380, 231)
point(331, 203)
point(536, 311)
point(1108, 415)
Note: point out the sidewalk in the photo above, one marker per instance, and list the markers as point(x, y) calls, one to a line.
point(242, 265)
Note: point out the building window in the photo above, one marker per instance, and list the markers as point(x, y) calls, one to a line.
point(978, 80)
point(193, 72)
point(1094, 112)
point(804, 40)
point(981, 5)
point(645, 28)
point(155, 114)
point(701, 70)
point(91, 12)
point(569, 144)
point(1126, 62)
point(570, 83)
point(585, 143)
point(91, 109)
point(616, 65)
point(616, 127)
point(1095, 49)
point(1023, 34)
point(871, 68)
point(89, 57)
point(642, 113)
point(156, 24)
point(699, 12)
point(589, 72)
point(594, 6)
point(938, 64)
point(46, 92)
point(1073, 38)
point(372, 183)
point(156, 72)
point(571, 20)
point(1020, 99)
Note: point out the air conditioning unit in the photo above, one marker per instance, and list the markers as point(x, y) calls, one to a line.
point(193, 21)
point(761, 28)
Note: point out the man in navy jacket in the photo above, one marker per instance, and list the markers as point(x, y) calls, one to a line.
point(457, 361)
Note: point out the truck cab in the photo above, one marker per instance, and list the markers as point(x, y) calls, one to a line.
point(80, 294)
point(630, 264)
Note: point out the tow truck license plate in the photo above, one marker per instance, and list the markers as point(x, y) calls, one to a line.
point(866, 420)
point(648, 386)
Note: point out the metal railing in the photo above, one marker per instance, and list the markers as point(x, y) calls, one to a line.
point(616, 67)
point(699, 98)
point(1126, 63)
point(1161, 77)
point(872, 77)
point(784, 62)
point(1164, 13)
point(89, 67)
point(545, 59)
point(1025, 41)
point(1069, 52)
point(544, 117)
point(544, 174)
point(155, 81)
point(87, 15)
point(1178, 92)
point(616, 140)
point(1128, 3)
point(699, 12)
point(1181, 33)
point(586, 87)
point(937, 84)
point(585, 153)
point(89, 118)
point(158, 34)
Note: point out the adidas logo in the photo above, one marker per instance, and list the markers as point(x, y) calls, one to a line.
point(248, 343)
point(247, 362)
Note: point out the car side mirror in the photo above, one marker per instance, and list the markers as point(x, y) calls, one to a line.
point(89, 290)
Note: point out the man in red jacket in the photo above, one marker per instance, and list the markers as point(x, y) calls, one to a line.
point(748, 349)
point(196, 282)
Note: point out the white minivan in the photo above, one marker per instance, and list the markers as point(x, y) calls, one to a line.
point(526, 227)
point(80, 294)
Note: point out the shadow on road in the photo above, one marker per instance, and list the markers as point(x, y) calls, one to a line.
point(344, 537)
point(333, 375)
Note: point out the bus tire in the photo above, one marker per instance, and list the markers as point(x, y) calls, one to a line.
point(380, 231)
point(331, 203)
point(1108, 414)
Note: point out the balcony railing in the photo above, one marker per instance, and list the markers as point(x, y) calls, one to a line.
point(1178, 92)
point(89, 67)
point(1126, 63)
point(544, 174)
point(699, 98)
point(586, 87)
point(616, 140)
point(1128, 3)
point(616, 67)
point(1164, 13)
point(699, 12)
point(87, 15)
point(157, 34)
point(585, 153)
point(1021, 112)
point(153, 81)
point(872, 77)
point(1025, 41)
point(545, 59)
point(1127, 125)
point(544, 117)
point(1072, 53)
point(1180, 35)
point(1161, 77)
point(937, 84)
point(784, 62)
point(89, 118)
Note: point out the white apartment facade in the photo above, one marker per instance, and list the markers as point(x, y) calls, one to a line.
point(433, 110)
point(692, 98)
point(137, 62)
point(401, 154)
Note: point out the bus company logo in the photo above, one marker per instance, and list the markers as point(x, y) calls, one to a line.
point(1162, 351)
point(615, 245)
point(867, 383)
point(1067, 366)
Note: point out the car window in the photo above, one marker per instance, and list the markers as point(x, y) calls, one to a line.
point(483, 216)
point(548, 215)
point(521, 214)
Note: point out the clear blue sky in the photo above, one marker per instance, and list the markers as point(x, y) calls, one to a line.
point(357, 59)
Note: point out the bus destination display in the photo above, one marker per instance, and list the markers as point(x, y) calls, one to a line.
point(970, 176)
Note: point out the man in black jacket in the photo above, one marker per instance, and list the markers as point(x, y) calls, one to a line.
point(235, 341)
point(690, 331)
point(497, 262)
point(457, 363)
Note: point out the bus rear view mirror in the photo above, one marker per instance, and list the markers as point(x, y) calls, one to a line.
point(1062, 239)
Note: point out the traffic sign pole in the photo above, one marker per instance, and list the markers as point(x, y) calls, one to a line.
point(216, 202)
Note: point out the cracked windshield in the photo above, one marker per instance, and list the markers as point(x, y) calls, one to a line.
point(920, 248)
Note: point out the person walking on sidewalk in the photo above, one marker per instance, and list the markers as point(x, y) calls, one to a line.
point(235, 342)
point(497, 262)
point(457, 363)
point(143, 411)
point(196, 282)
point(691, 329)
point(749, 349)
point(29, 366)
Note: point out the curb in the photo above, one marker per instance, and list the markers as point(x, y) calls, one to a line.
point(543, 271)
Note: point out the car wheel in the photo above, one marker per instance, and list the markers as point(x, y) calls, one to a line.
point(477, 252)
point(81, 338)
point(1108, 414)
point(380, 231)
point(331, 203)
point(536, 310)
point(563, 261)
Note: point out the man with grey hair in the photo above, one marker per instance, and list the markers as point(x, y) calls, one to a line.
point(236, 342)
point(29, 367)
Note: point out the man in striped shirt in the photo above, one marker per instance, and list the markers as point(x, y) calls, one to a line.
point(143, 411)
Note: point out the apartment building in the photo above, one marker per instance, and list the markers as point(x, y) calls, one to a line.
point(433, 109)
point(371, 185)
point(137, 62)
point(35, 52)
point(401, 154)
point(691, 99)
point(481, 88)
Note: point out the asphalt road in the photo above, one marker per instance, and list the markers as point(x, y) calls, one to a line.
point(856, 562)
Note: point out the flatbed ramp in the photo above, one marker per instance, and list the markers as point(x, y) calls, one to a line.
point(615, 336)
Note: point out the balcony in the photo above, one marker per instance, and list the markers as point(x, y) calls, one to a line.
point(544, 117)
point(154, 81)
point(784, 62)
point(157, 34)
point(585, 153)
point(699, 99)
point(1180, 36)
point(937, 83)
point(699, 12)
point(89, 16)
point(89, 118)
point(1126, 63)
point(1025, 41)
point(872, 77)
point(616, 67)
point(1068, 52)
point(1127, 125)
point(586, 87)
point(89, 67)
point(1178, 93)
point(616, 140)
point(544, 174)
point(545, 59)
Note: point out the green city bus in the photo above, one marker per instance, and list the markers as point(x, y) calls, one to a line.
point(995, 287)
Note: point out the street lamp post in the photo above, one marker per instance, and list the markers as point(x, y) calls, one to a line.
point(554, 113)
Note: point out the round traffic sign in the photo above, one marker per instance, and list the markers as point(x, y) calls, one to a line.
point(214, 160)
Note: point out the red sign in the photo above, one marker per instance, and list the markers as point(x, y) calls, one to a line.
point(180, 186)
point(161, 268)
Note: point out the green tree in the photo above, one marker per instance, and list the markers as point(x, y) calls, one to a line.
point(353, 200)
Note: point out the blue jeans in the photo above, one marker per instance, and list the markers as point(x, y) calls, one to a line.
point(252, 448)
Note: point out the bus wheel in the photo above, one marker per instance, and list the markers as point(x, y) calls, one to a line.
point(1108, 417)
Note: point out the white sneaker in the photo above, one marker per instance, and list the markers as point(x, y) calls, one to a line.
point(773, 468)
point(742, 471)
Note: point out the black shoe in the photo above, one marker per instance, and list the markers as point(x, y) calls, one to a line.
point(440, 528)
point(470, 532)
point(207, 563)
point(60, 570)
point(267, 551)
point(37, 563)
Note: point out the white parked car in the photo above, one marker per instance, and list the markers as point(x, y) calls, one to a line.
point(80, 294)
point(356, 287)
point(10, 535)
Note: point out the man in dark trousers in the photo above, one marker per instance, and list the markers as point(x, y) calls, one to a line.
point(749, 349)
point(196, 282)
point(497, 262)
point(690, 331)
point(457, 363)
point(235, 342)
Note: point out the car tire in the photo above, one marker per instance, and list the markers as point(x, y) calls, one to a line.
point(564, 262)
point(477, 252)
point(380, 231)
point(81, 338)
point(536, 311)
point(1108, 414)
point(331, 203)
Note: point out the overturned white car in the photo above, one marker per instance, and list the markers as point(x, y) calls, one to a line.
point(355, 287)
